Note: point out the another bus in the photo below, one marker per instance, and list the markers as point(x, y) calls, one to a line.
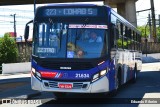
point(63, 59)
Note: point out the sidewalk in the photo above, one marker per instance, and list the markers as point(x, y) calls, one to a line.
point(151, 62)
point(16, 86)
point(151, 66)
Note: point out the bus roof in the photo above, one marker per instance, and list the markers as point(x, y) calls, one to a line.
point(126, 22)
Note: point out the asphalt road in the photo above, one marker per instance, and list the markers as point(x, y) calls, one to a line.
point(147, 86)
point(155, 57)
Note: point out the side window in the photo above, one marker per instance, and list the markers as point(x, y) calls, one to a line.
point(122, 34)
point(119, 36)
point(139, 41)
point(113, 37)
point(134, 41)
point(136, 45)
point(129, 40)
point(113, 19)
point(125, 38)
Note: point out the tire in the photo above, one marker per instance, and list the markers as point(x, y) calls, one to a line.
point(59, 95)
point(135, 75)
point(118, 85)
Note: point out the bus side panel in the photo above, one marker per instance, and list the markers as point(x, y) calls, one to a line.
point(111, 75)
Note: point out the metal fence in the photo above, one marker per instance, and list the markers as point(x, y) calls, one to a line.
point(150, 47)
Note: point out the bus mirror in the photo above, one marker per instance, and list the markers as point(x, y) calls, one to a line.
point(26, 33)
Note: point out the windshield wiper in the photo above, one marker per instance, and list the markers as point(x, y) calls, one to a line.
point(86, 21)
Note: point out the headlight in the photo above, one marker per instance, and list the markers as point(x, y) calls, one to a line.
point(103, 72)
point(36, 73)
point(99, 75)
point(95, 77)
point(33, 70)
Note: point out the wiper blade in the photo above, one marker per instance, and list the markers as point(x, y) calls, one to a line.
point(86, 22)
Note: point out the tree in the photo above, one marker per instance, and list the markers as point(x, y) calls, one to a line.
point(8, 49)
point(142, 30)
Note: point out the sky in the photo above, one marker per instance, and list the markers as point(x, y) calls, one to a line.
point(24, 13)
point(145, 4)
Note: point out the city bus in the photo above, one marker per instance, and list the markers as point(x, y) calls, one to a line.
point(64, 60)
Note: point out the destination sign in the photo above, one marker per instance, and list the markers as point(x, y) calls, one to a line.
point(88, 26)
point(70, 12)
point(46, 50)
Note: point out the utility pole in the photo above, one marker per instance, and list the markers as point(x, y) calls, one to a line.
point(14, 17)
point(150, 29)
point(159, 20)
point(34, 7)
point(153, 21)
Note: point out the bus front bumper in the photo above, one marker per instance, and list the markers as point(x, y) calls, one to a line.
point(99, 86)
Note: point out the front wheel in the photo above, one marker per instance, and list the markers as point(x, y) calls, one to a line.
point(134, 75)
point(118, 85)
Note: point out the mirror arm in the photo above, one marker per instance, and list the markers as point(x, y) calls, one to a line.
point(31, 21)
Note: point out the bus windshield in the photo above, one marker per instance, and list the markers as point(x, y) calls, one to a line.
point(64, 40)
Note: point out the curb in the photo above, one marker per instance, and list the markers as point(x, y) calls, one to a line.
point(151, 66)
point(16, 80)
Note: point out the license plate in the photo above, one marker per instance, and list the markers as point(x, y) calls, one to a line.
point(65, 86)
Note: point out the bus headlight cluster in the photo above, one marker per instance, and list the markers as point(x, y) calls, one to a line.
point(99, 75)
point(95, 77)
point(103, 72)
point(36, 73)
point(33, 70)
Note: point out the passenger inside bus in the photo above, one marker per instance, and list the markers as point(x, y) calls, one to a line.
point(93, 37)
point(78, 51)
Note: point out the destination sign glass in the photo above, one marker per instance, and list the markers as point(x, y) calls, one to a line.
point(70, 12)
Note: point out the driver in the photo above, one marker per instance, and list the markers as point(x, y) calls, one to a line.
point(94, 37)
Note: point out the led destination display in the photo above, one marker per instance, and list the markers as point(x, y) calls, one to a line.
point(70, 12)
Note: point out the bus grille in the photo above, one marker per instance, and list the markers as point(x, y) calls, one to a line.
point(76, 85)
point(73, 65)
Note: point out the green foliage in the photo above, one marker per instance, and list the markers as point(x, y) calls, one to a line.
point(8, 49)
point(142, 30)
point(119, 42)
point(158, 34)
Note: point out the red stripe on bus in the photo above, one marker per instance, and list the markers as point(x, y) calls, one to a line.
point(48, 74)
